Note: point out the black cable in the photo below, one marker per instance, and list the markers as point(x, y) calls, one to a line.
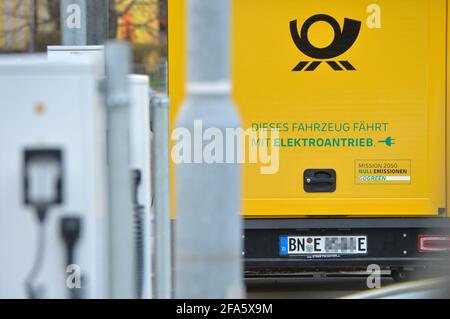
point(32, 290)
point(139, 214)
point(44, 165)
point(70, 232)
point(140, 262)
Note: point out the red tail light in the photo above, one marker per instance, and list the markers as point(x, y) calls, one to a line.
point(433, 243)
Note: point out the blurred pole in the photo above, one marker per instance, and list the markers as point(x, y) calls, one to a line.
point(160, 184)
point(97, 21)
point(208, 224)
point(122, 261)
point(73, 22)
point(166, 77)
point(32, 21)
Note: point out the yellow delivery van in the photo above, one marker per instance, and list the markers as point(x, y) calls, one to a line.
point(357, 92)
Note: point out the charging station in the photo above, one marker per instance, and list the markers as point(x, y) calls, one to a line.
point(53, 219)
point(140, 139)
point(140, 165)
point(94, 53)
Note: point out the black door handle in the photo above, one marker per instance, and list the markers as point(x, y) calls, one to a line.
point(319, 181)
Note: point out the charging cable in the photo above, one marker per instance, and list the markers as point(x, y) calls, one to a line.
point(42, 186)
point(139, 212)
point(70, 233)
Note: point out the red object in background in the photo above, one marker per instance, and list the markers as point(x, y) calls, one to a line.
point(127, 28)
point(433, 243)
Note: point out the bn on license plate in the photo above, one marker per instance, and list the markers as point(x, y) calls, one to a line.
point(323, 245)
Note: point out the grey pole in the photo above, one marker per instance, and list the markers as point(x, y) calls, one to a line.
point(122, 259)
point(97, 21)
point(208, 224)
point(160, 184)
point(32, 23)
point(73, 22)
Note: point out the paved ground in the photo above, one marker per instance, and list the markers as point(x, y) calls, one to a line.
point(307, 288)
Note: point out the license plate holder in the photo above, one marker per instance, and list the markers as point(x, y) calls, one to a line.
point(323, 246)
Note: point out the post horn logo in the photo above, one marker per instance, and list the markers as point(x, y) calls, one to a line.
point(343, 40)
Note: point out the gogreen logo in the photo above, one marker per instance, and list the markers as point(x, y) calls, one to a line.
point(343, 40)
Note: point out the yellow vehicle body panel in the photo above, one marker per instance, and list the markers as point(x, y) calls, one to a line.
point(379, 121)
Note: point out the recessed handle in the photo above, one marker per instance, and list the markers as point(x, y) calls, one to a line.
point(319, 180)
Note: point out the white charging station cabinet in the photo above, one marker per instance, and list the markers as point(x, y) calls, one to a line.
point(140, 159)
point(52, 106)
point(140, 149)
point(94, 53)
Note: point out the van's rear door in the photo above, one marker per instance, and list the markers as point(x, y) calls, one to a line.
point(358, 91)
point(374, 114)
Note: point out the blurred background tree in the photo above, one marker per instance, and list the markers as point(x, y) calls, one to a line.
point(32, 25)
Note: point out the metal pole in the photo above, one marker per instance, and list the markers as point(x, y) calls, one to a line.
point(97, 21)
point(208, 225)
point(122, 261)
point(32, 5)
point(160, 184)
point(73, 22)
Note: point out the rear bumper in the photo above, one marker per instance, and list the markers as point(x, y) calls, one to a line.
point(392, 243)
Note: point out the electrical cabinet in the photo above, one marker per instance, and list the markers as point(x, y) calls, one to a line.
point(52, 145)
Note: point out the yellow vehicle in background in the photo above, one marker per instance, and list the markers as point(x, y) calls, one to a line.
point(358, 93)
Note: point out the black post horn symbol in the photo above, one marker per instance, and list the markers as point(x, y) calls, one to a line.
point(343, 40)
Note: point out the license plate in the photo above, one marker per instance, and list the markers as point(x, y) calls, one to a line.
point(323, 245)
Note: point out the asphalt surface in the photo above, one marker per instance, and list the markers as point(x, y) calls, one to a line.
point(308, 288)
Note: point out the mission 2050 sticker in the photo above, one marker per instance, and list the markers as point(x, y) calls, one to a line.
point(382, 172)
